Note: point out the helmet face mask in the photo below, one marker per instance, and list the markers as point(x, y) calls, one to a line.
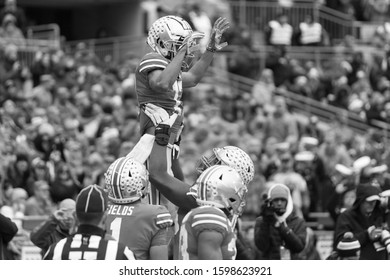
point(126, 180)
point(207, 160)
point(231, 156)
point(222, 187)
point(167, 34)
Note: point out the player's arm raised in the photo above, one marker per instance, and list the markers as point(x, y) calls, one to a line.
point(173, 189)
point(193, 76)
point(163, 80)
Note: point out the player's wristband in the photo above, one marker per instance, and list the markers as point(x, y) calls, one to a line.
point(162, 133)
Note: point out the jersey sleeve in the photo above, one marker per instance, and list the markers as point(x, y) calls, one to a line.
point(152, 61)
point(209, 218)
point(163, 218)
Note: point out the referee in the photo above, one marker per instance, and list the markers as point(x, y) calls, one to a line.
point(88, 243)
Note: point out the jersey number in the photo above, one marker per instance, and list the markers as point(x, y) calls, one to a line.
point(115, 228)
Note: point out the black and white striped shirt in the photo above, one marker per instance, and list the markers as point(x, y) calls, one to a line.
point(88, 244)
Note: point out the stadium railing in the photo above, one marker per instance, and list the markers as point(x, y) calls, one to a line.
point(115, 47)
point(304, 105)
point(256, 14)
point(46, 35)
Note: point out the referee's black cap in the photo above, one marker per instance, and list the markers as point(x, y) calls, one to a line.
point(92, 199)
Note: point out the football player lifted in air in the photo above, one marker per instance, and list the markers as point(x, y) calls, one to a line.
point(174, 64)
point(144, 228)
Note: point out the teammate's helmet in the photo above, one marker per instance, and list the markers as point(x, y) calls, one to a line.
point(167, 34)
point(127, 180)
point(222, 187)
point(231, 156)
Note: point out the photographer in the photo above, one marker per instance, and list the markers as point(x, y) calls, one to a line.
point(365, 220)
point(279, 233)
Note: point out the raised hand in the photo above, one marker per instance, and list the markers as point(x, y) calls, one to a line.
point(220, 26)
point(191, 42)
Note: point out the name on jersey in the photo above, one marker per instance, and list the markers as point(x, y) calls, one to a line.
point(120, 210)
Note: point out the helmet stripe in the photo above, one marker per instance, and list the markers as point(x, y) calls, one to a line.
point(116, 177)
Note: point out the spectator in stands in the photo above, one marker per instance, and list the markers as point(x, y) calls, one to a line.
point(202, 23)
point(279, 62)
point(84, 56)
point(59, 225)
point(341, 93)
point(310, 252)
point(10, 33)
point(279, 233)
point(245, 251)
point(281, 124)
point(8, 230)
point(380, 71)
point(40, 204)
point(11, 8)
point(95, 168)
point(19, 174)
point(39, 170)
point(333, 152)
point(279, 32)
point(347, 249)
point(65, 185)
point(286, 175)
point(15, 211)
point(75, 154)
point(263, 89)
point(89, 113)
point(365, 221)
point(376, 10)
point(344, 6)
point(381, 36)
point(43, 94)
point(66, 110)
point(386, 112)
point(41, 65)
point(310, 166)
point(311, 33)
point(342, 198)
point(10, 66)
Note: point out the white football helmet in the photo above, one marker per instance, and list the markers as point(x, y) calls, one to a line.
point(231, 156)
point(222, 187)
point(167, 34)
point(127, 180)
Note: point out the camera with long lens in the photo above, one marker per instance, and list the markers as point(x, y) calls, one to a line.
point(267, 210)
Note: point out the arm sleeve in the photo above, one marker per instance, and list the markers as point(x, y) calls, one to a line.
point(295, 237)
point(161, 237)
point(262, 235)
point(8, 229)
point(152, 62)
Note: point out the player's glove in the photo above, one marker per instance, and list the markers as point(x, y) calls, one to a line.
point(220, 26)
point(156, 114)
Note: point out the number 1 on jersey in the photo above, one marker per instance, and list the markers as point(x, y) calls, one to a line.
point(115, 228)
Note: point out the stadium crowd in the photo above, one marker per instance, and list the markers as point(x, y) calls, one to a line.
point(68, 116)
